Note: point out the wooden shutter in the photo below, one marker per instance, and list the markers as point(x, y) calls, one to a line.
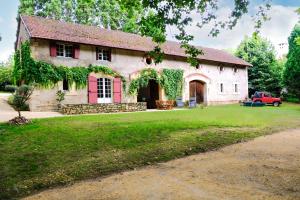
point(93, 93)
point(117, 90)
point(76, 49)
point(53, 49)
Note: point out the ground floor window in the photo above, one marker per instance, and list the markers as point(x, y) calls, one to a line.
point(104, 90)
point(221, 88)
point(236, 88)
point(65, 85)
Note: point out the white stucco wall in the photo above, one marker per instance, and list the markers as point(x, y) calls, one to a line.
point(128, 63)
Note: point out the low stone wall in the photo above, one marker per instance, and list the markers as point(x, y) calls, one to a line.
point(74, 109)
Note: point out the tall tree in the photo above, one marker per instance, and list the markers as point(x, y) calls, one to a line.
point(292, 68)
point(150, 18)
point(265, 74)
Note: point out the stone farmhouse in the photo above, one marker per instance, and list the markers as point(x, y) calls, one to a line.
point(220, 78)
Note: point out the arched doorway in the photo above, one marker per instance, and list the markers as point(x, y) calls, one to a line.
point(197, 90)
point(149, 94)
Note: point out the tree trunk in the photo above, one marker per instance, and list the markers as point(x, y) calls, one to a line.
point(19, 112)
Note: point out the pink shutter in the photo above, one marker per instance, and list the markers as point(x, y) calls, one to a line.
point(93, 94)
point(52, 49)
point(117, 90)
point(76, 52)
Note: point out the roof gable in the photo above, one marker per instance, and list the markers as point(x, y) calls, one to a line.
point(43, 28)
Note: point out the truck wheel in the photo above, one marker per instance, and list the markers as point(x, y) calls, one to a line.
point(276, 104)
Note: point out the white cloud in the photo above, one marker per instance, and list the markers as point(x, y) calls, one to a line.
point(4, 54)
point(276, 30)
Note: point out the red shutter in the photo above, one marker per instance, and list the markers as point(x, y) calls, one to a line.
point(76, 51)
point(52, 49)
point(117, 90)
point(93, 94)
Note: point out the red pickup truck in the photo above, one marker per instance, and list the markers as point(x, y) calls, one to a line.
point(265, 97)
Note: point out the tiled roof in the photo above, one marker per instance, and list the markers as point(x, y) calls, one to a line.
point(43, 28)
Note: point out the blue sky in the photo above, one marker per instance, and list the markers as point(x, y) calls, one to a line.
point(277, 30)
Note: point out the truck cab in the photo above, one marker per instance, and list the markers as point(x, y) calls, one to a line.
point(265, 97)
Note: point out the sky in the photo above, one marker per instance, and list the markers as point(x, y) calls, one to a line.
point(277, 30)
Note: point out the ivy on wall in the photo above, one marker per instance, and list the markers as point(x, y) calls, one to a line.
point(28, 71)
point(142, 81)
point(172, 82)
point(170, 79)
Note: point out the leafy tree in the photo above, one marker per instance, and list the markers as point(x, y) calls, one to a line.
point(292, 68)
point(150, 18)
point(265, 74)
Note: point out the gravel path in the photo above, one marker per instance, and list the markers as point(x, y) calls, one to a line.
point(4, 106)
point(265, 168)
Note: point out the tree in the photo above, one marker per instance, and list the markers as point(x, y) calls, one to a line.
point(264, 75)
point(20, 98)
point(292, 68)
point(149, 18)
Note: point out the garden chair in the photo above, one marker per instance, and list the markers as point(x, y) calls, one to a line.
point(192, 102)
point(179, 102)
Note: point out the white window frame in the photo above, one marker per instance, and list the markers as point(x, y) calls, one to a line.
point(100, 54)
point(104, 91)
point(64, 50)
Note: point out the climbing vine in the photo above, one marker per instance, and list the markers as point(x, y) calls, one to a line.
point(28, 71)
point(172, 82)
point(170, 79)
point(142, 81)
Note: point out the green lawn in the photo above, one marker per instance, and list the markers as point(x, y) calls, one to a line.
point(57, 151)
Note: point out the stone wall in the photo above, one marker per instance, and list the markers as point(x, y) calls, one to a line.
point(74, 109)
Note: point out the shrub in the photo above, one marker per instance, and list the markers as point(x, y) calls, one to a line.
point(21, 97)
point(5, 77)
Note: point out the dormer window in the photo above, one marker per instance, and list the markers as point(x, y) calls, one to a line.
point(64, 50)
point(103, 54)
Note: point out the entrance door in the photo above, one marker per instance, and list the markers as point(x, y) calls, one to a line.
point(104, 88)
point(149, 94)
point(197, 90)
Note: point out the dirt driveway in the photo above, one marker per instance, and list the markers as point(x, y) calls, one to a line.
point(265, 168)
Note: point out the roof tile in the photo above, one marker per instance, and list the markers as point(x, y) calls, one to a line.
point(43, 28)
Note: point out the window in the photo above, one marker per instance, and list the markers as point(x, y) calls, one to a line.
point(68, 51)
point(236, 88)
point(103, 54)
point(235, 70)
point(64, 50)
point(221, 87)
point(221, 69)
point(59, 49)
point(104, 90)
point(65, 85)
point(149, 60)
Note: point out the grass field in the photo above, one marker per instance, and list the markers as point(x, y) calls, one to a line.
point(58, 151)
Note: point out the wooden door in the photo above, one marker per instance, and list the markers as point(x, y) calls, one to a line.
point(197, 90)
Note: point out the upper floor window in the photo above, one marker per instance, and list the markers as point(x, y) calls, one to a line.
point(64, 50)
point(235, 70)
point(103, 54)
point(221, 68)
